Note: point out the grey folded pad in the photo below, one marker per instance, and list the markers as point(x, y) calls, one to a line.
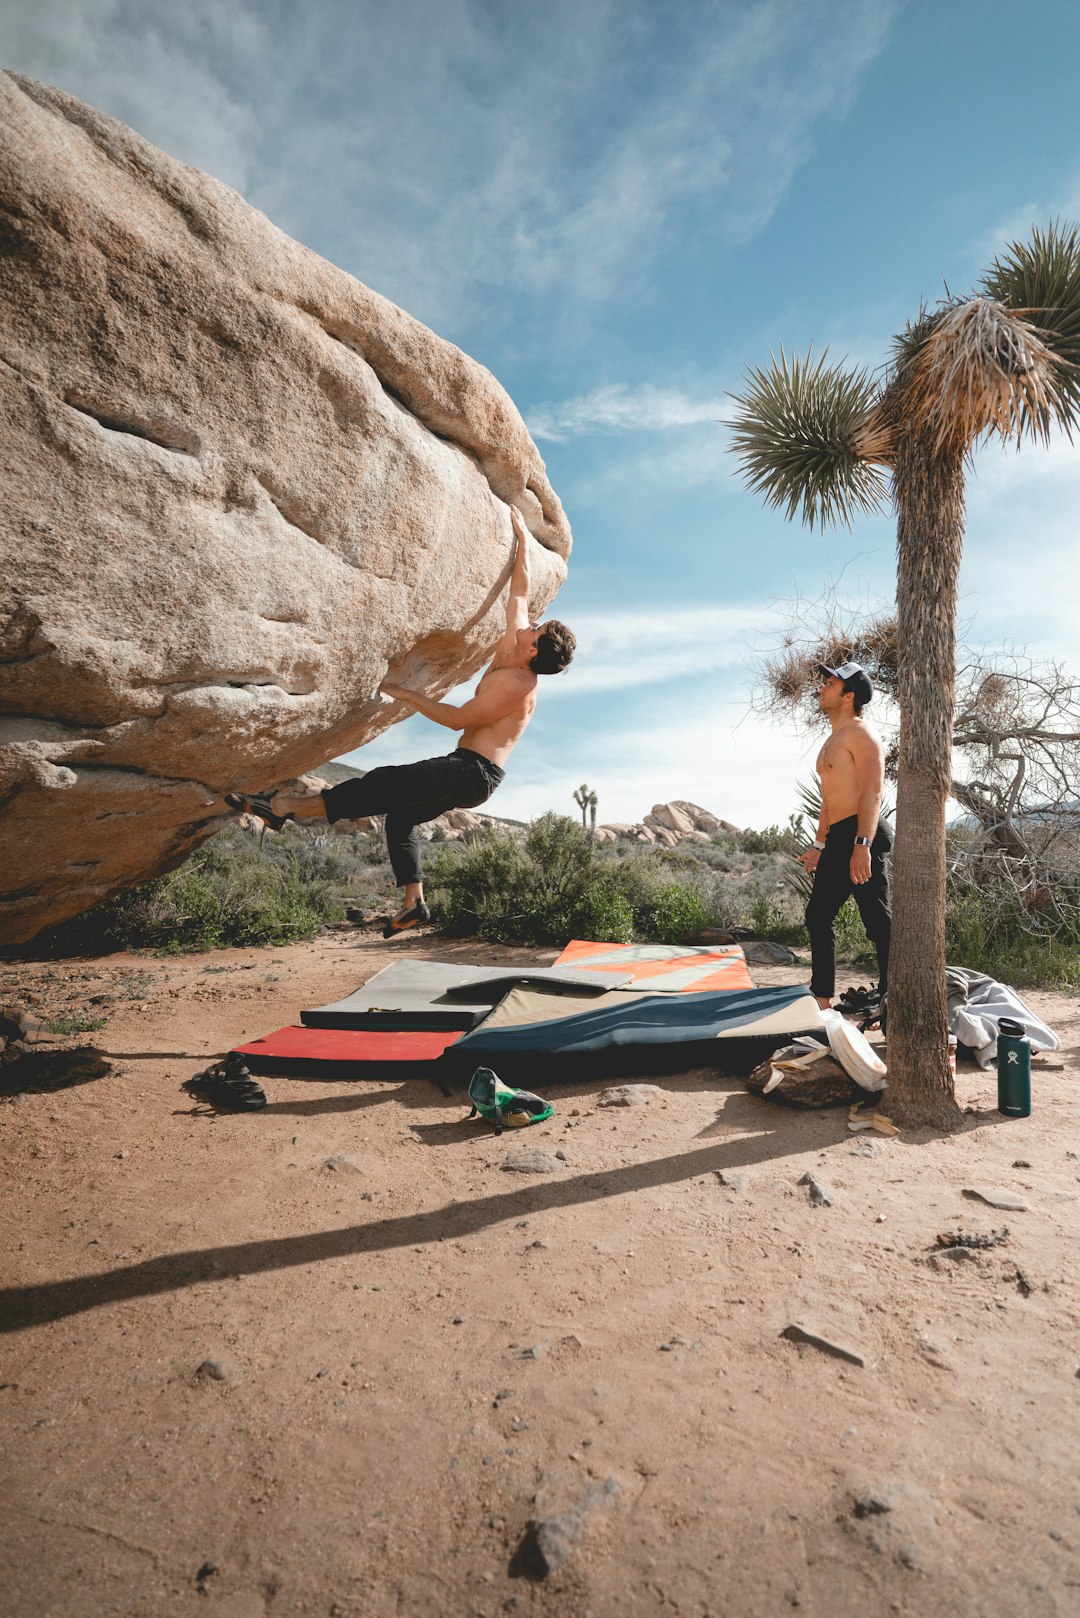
point(439, 994)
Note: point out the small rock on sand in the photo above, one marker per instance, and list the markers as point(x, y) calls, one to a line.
point(534, 1162)
point(629, 1095)
point(997, 1197)
point(802, 1334)
point(821, 1195)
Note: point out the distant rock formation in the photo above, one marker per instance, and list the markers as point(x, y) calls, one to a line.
point(667, 824)
point(239, 490)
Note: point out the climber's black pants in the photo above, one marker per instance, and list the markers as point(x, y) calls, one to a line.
point(409, 794)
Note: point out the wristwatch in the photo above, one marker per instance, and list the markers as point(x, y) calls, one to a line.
point(863, 842)
point(818, 846)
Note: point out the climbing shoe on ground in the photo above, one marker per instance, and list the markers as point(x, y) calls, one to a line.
point(228, 1084)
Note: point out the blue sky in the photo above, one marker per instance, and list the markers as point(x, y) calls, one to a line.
point(617, 207)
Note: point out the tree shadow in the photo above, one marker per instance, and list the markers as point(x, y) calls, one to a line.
point(38, 1303)
point(43, 1072)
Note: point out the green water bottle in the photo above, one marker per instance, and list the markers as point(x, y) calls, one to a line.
point(1014, 1069)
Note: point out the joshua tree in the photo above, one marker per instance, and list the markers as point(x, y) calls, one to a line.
point(828, 443)
point(586, 802)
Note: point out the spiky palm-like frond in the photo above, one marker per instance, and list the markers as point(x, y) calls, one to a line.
point(981, 368)
point(797, 434)
point(907, 344)
point(1042, 278)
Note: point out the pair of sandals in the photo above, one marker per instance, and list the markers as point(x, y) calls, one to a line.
point(228, 1084)
point(259, 806)
point(865, 1005)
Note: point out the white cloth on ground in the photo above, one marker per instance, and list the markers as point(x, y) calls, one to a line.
point(977, 1004)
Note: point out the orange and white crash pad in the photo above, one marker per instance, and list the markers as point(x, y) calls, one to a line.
point(664, 968)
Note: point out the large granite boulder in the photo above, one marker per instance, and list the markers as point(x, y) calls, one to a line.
point(239, 489)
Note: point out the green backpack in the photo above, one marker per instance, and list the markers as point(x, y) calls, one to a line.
point(513, 1108)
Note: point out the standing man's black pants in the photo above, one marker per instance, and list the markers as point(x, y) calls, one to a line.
point(409, 794)
point(832, 886)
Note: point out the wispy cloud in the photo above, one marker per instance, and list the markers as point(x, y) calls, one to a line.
point(619, 408)
point(453, 152)
point(174, 73)
point(621, 651)
point(739, 767)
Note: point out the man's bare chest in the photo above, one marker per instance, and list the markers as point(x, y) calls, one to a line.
point(834, 756)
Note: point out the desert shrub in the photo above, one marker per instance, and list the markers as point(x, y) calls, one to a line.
point(222, 896)
point(851, 939)
point(986, 935)
point(773, 840)
point(479, 887)
point(774, 916)
point(666, 896)
point(556, 885)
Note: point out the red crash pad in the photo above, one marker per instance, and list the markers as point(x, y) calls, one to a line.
point(298, 1046)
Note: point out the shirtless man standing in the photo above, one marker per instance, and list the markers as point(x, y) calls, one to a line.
point(848, 852)
point(491, 722)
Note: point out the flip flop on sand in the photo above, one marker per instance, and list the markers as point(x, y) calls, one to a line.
point(228, 1084)
point(257, 806)
point(877, 1121)
point(405, 920)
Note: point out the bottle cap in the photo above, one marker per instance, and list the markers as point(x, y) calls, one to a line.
point(1011, 1028)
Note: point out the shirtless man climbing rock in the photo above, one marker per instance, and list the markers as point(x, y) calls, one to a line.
point(848, 852)
point(491, 722)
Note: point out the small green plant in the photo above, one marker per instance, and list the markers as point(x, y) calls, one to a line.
point(134, 985)
point(76, 1025)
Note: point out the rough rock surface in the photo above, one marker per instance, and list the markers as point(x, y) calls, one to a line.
point(239, 490)
point(822, 1084)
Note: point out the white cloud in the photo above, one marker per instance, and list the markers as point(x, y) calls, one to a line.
point(1020, 578)
point(1004, 472)
point(618, 408)
point(448, 152)
point(621, 651)
point(741, 769)
point(165, 70)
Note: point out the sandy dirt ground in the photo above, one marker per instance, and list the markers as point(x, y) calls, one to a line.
point(236, 1381)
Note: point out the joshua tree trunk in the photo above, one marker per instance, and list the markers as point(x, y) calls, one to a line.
point(929, 490)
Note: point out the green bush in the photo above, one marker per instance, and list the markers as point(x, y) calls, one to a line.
point(997, 937)
point(773, 840)
point(557, 885)
point(771, 918)
point(222, 896)
point(665, 896)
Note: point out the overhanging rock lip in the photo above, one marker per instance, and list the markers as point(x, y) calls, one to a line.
point(459, 399)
